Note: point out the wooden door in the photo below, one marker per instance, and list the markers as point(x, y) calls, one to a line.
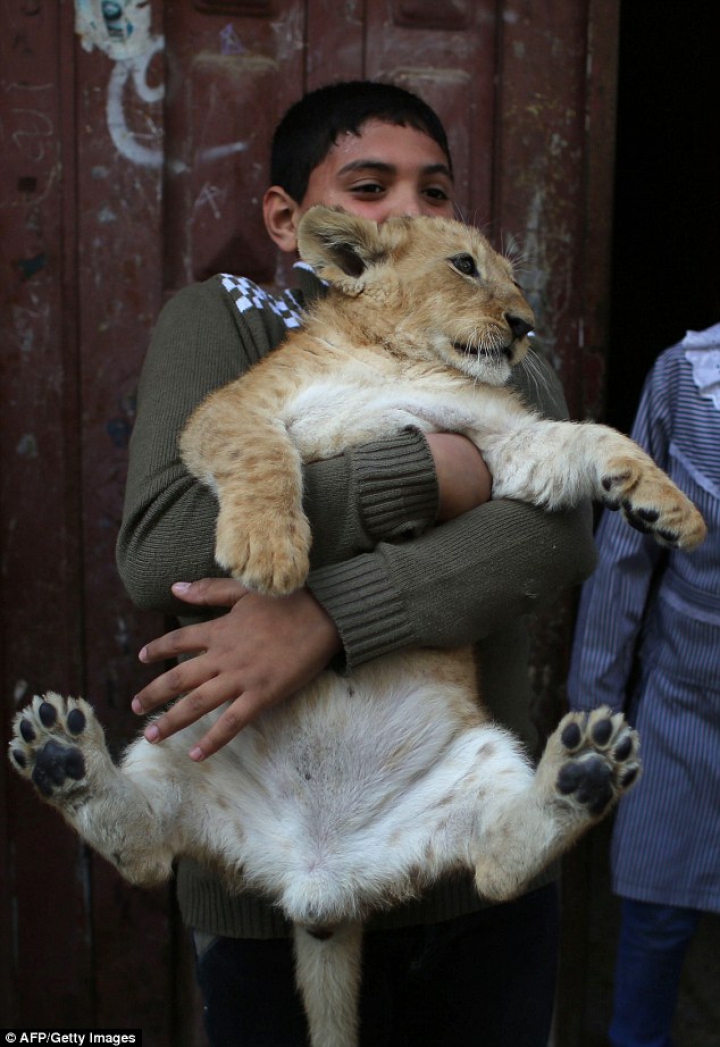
point(135, 141)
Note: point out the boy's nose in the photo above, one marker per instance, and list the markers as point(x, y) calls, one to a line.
point(406, 202)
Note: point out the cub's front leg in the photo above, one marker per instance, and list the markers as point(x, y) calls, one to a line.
point(556, 464)
point(247, 458)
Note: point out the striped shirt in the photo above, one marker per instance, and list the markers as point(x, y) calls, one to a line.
point(648, 641)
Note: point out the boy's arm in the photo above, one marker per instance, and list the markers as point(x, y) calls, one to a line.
point(461, 582)
point(456, 584)
point(377, 492)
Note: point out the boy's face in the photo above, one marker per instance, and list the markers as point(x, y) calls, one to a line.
point(383, 172)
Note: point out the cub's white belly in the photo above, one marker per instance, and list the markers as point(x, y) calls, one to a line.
point(336, 801)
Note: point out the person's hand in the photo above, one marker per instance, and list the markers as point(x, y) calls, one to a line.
point(463, 478)
point(258, 654)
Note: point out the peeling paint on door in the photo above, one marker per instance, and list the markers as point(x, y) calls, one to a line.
point(120, 28)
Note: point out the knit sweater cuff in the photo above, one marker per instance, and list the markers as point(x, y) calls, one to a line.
point(364, 605)
point(397, 486)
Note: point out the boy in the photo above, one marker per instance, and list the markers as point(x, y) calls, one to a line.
point(442, 970)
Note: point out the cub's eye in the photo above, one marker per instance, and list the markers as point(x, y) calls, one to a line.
point(465, 264)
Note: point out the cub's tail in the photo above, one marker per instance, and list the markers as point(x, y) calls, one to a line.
point(328, 975)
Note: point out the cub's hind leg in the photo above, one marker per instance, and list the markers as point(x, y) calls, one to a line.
point(59, 745)
point(589, 762)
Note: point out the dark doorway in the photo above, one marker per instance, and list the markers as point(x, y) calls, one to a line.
point(666, 243)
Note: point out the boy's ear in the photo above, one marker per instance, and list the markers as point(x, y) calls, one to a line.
point(341, 246)
point(281, 215)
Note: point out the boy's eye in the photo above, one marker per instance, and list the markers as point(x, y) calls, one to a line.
point(465, 264)
point(436, 193)
point(368, 189)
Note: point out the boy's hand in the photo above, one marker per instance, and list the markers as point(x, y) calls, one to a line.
point(464, 480)
point(258, 654)
point(265, 648)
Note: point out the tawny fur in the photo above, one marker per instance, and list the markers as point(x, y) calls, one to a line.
point(359, 793)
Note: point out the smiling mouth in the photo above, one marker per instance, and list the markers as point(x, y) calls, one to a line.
point(475, 350)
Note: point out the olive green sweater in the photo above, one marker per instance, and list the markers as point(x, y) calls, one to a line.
point(386, 575)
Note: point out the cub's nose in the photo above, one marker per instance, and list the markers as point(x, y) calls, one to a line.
point(518, 326)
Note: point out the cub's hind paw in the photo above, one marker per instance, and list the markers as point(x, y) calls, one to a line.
point(55, 763)
point(596, 759)
point(51, 742)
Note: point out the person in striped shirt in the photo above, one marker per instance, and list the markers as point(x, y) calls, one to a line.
point(648, 642)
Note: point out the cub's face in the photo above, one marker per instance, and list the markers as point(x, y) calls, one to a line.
point(434, 289)
point(463, 298)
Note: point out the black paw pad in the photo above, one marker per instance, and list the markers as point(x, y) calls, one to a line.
point(638, 524)
point(50, 761)
point(55, 763)
point(75, 765)
point(669, 537)
point(595, 791)
point(47, 714)
point(623, 748)
point(42, 782)
point(602, 732)
point(571, 736)
point(76, 721)
point(26, 730)
point(19, 758)
point(591, 783)
point(629, 777)
point(569, 778)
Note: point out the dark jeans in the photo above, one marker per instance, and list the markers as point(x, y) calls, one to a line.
point(653, 942)
point(485, 979)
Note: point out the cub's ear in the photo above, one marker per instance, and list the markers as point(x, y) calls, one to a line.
point(341, 247)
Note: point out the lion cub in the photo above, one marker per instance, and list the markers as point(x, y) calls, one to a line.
point(358, 794)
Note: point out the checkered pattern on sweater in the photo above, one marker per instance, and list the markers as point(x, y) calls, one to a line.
point(248, 295)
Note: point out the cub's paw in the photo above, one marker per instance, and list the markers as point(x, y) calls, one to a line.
point(272, 558)
point(594, 760)
point(652, 504)
point(55, 744)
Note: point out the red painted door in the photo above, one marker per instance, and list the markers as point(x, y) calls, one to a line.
point(135, 141)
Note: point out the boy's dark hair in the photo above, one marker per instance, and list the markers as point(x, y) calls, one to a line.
point(310, 128)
